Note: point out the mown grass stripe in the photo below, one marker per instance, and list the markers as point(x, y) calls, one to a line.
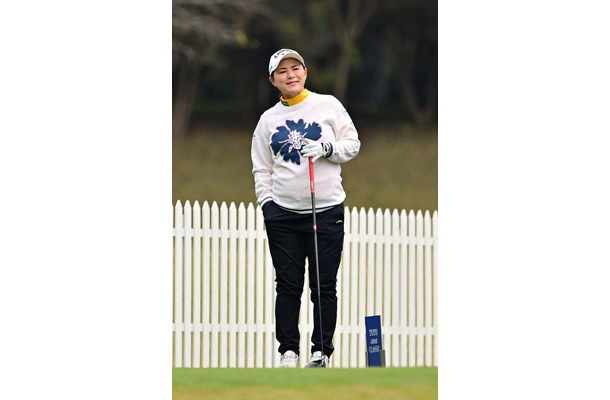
point(221, 377)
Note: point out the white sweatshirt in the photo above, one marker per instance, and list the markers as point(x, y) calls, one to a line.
point(280, 172)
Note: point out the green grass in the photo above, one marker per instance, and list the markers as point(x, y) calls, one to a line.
point(332, 383)
point(396, 167)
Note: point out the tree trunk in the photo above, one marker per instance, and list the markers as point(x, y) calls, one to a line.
point(348, 26)
point(420, 107)
point(342, 73)
point(187, 85)
point(422, 113)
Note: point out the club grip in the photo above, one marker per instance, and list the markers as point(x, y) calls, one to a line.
point(311, 180)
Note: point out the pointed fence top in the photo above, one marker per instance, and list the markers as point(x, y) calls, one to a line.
point(362, 211)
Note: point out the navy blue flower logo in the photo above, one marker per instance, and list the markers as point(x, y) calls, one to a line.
point(288, 140)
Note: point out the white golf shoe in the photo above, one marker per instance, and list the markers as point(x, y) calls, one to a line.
point(318, 360)
point(289, 359)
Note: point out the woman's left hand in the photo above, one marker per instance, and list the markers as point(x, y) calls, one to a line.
point(314, 149)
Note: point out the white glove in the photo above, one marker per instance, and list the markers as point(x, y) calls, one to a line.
point(315, 149)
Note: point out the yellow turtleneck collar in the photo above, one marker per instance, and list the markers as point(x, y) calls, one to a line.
point(295, 100)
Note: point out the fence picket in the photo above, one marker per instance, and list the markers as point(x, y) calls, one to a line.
point(395, 343)
point(215, 285)
point(435, 286)
point(187, 287)
point(223, 279)
point(387, 283)
point(260, 257)
point(411, 291)
point(362, 288)
point(269, 328)
point(428, 288)
point(404, 293)
point(205, 283)
point(196, 285)
point(370, 262)
point(224, 283)
point(338, 338)
point(269, 318)
point(250, 285)
point(344, 323)
point(178, 280)
point(241, 286)
point(379, 292)
point(305, 318)
point(232, 279)
point(353, 357)
point(419, 227)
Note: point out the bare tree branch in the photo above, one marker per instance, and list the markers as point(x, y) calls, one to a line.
point(349, 19)
point(199, 29)
point(201, 26)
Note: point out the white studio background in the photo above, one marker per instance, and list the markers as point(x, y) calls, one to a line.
point(523, 199)
point(85, 286)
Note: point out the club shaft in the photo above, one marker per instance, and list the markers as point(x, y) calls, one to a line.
point(315, 244)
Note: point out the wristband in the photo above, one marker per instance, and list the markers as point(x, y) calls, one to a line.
point(327, 148)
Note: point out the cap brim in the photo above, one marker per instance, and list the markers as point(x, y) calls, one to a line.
point(289, 55)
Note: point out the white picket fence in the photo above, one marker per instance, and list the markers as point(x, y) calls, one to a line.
point(224, 288)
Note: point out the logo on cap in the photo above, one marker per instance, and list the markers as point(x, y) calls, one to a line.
point(273, 62)
point(280, 52)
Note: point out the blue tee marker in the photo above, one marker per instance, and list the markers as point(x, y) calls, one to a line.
point(375, 355)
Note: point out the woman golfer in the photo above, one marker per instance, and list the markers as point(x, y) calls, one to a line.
point(300, 126)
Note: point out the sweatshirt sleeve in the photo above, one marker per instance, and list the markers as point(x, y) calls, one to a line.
point(262, 163)
point(347, 145)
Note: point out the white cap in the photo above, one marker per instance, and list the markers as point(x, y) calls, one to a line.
point(279, 55)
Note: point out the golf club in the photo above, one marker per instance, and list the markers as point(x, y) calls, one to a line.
point(315, 243)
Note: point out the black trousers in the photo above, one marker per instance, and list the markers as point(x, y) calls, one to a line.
point(291, 242)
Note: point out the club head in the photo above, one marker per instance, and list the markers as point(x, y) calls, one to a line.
point(318, 363)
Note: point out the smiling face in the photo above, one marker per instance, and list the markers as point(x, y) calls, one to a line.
point(289, 77)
